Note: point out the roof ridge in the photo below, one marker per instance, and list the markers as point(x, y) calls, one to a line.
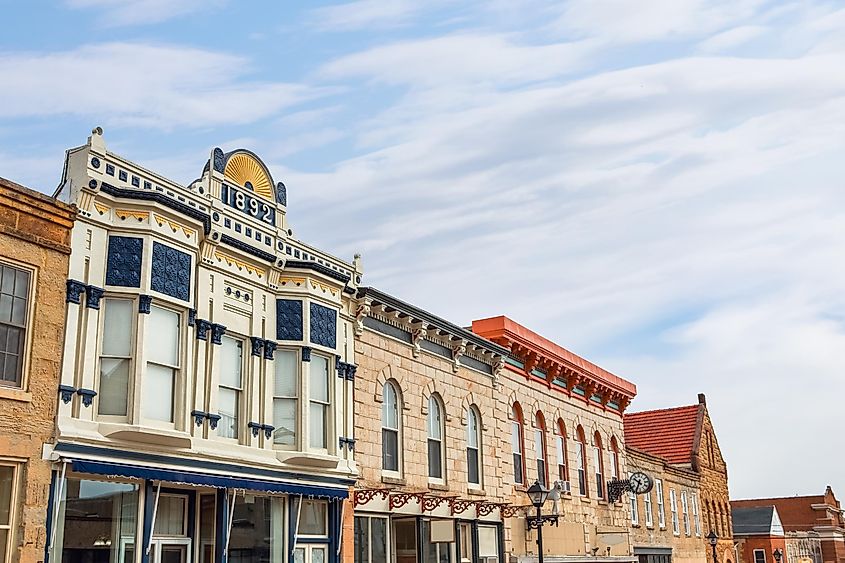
point(668, 409)
point(776, 498)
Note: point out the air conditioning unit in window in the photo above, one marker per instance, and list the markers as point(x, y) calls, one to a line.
point(564, 487)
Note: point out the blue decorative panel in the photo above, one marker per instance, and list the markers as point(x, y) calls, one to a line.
point(75, 289)
point(288, 319)
point(171, 272)
point(323, 325)
point(124, 261)
point(93, 295)
point(217, 332)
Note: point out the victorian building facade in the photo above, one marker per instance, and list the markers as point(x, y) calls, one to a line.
point(205, 408)
point(35, 233)
point(684, 437)
point(560, 423)
point(427, 440)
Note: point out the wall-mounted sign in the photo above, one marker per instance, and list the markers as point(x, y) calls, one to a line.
point(247, 203)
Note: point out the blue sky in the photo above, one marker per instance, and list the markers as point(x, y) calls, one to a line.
point(657, 185)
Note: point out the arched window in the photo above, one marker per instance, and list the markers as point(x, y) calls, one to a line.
point(516, 444)
point(435, 438)
point(560, 443)
point(540, 447)
point(473, 447)
point(614, 458)
point(598, 462)
point(581, 461)
point(390, 428)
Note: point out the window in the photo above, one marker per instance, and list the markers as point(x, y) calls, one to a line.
point(581, 462)
point(599, 464)
point(285, 398)
point(695, 514)
point(649, 518)
point(685, 513)
point(313, 519)
point(540, 447)
point(560, 442)
point(371, 539)
point(435, 438)
point(162, 355)
point(230, 388)
point(8, 486)
point(97, 522)
point(115, 356)
point(319, 398)
point(516, 444)
point(635, 513)
point(257, 530)
point(488, 543)
point(614, 458)
point(466, 555)
point(673, 506)
point(14, 305)
point(759, 556)
point(661, 508)
point(390, 428)
point(473, 447)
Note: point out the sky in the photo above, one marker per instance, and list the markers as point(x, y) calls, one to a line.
point(656, 186)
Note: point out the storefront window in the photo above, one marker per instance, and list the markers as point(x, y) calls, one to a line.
point(97, 522)
point(257, 530)
point(438, 541)
point(207, 522)
point(7, 495)
point(370, 539)
point(488, 544)
point(313, 519)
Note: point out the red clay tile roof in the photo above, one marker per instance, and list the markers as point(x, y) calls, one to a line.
point(667, 433)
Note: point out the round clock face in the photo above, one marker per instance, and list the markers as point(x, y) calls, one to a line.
point(640, 483)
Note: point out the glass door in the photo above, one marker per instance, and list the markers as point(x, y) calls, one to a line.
point(405, 540)
point(308, 554)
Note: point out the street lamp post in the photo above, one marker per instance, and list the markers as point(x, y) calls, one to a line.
point(778, 555)
point(713, 538)
point(538, 496)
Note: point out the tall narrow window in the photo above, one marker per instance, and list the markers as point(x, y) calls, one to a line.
point(435, 438)
point(581, 462)
point(635, 512)
point(285, 398)
point(162, 349)
point(115, 356)
point(685, 513)
point(14, 304)
point(516, 443)
point(540, 447)
point(473, 447)
point(560, 443)
point(7, 510)
point(649, 518)
point(673, 506)
point(230, 387)
point(598, 461)
point(696, 516)
point(319, 399)
point(661, 507)
point(614, 458)
point(390, 428)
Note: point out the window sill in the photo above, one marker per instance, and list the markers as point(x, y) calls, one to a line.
point(587, 500)
point(387, 480)
point(520, 488)
point(15, 394)
point(477, 492)
point(602, 502)
point(149, 435)
point(438, 486)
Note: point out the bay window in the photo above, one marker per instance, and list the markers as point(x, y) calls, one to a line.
point(230, 387)
point(319, 402)
point(115, 356)
point(162, 355)
point(285, 398)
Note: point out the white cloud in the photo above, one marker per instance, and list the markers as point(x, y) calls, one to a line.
point(731, 38)
point(138, 12)
point(362, 14)
point(147, 85)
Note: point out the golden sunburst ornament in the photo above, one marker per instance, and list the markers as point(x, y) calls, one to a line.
point(244, 170)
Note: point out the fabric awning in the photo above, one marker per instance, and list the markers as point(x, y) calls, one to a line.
point(205, 479)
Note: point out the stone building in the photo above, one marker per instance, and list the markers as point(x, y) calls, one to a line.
point(34, 245)
point(666, 521)
point(814, 526)
point(563, 428)
point(205, 406)
point(759, 534)
point(427, 441)
point(685, 437)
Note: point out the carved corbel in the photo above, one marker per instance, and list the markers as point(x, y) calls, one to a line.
point(459, 348)
point(417, 334)
point(365, 307)
point(208, 246)
point(498, 366)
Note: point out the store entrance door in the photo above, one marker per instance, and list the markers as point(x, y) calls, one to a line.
point(170, 542)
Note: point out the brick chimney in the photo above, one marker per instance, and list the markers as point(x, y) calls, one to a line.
point(702, 400)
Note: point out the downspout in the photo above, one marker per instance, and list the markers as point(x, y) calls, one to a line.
point(57, 507)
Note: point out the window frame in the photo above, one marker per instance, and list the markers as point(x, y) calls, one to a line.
point(473, 413)
point(240, 403)
point(581, 462)
point(369, 517)
point(635, 509)
point(754, 555)
point(11, 527)
point(598, 460)
point(673, 506)
point(328, 412)
point(661, 504)
point(297, 398)
point(394, 388)
point(435, 400)
point(518, 439)
point(648, 510)
point(22, 383)
point(685, 514)
point(541, 449)
point(696, 513)
point(178, 385)
point(131, 386)
point(562, 454)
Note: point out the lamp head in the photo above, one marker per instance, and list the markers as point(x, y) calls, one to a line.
point(537, 494)
point(778, 554)
point(712, 538)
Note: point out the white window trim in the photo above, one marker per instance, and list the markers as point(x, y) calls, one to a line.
point(242, 391)
point(685, 513)
point(673, 505)
point(178, 381)
point(271, 393)
point(518, 428)
point(696, 515)
point(131, 403)
point(26, 349)
point(397, 473)
point(647, 508)
point(329, 423)
point(755, 552)
point(472, 411)
point(661, 504)
point(442, 479)
point(11, 527)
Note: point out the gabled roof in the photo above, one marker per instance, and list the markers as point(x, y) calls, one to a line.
point(666, 433)
point(756, 521)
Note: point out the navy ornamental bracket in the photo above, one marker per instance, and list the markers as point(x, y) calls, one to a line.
point(203, 327)
point(217, 332)
point(199, 416)
point(269, 349)
point(345, 370)
point(87, 396)
point(75, 289)
point(66, 392)
point(144, 303)
point(306, 354)
point(213, 419)
point(93, 294)
point(347, 443)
